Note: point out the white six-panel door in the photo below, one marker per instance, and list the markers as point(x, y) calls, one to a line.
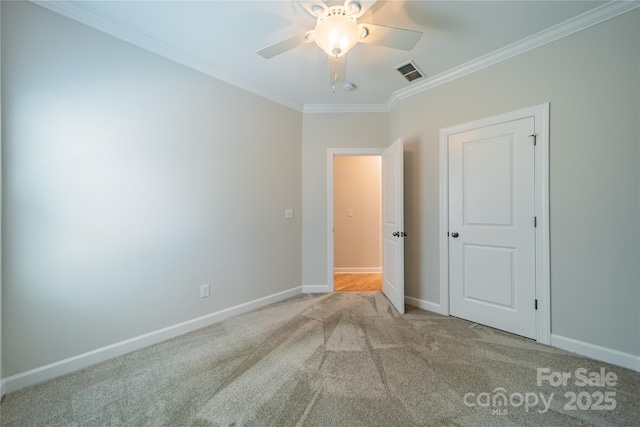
point(491, 226)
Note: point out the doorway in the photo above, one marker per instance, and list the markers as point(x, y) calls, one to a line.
point(392, 207)
point(343, 281)
point(357, 223)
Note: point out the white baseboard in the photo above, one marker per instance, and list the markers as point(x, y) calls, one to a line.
point(316, 289)
point(357, 270)
point(593, 351)
point(66, 366)
point(597, 352)
point(425, 305)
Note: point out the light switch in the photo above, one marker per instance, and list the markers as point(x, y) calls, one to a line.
point(349, 212)
point(288, 213)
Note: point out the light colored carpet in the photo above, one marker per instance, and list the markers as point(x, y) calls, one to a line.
point(342, 359)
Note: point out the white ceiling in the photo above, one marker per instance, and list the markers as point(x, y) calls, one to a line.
point(221, 38)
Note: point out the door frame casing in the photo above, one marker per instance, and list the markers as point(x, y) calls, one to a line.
point(331, 153)
point(540, 113)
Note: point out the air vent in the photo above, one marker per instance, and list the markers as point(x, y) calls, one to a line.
point(410, 71)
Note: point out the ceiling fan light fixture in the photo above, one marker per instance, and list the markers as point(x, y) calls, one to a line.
point(336, 32)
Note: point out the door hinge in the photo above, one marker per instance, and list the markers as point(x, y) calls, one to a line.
point(535, 137)
point(535, 222)
point(536, 305)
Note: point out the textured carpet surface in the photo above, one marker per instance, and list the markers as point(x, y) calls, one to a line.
point(342, 359)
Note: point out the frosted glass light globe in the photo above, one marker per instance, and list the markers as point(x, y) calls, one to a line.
point(336, 32)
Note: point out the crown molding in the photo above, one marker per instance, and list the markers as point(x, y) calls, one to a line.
point(84, 16)
point(573, 25)
point(588, 19)
point(345, 108)
point(563, 29)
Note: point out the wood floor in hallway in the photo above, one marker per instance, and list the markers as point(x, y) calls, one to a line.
point(357, 282)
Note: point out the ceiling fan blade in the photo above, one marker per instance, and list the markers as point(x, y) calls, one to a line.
point(282, 46)
point(396, 38)
point(337, 69)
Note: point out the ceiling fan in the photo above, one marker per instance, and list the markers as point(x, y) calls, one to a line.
point(337, 31)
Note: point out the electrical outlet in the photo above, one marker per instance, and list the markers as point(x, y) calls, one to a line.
point(204, 291)
point(288, 213)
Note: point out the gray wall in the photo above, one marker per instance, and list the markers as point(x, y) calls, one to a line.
point(129, 181)
point(320, 132)
point(591, 79)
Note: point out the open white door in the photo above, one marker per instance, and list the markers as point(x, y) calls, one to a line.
point(393, 225)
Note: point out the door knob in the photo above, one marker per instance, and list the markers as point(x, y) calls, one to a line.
point(454, 234)
point(396, 234)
